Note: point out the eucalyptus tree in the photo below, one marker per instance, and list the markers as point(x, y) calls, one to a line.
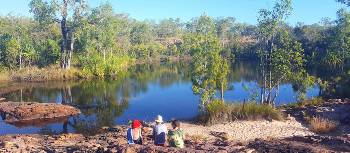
point(209, 69)
point(102, 29)
point(19, 30)
point(204, 25)
point(67, 13)
point(168, 28)
point(279, 55)
point(224, 28)
point(141, 33)
point(340, 46)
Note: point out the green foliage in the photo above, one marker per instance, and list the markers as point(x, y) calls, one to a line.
point(140, 33)
point(50, 54)
point(347, 2)
point(168, 28)
point(144, 51)
point(9, 51)
point(43, 12)
point(96, 66)
point(280, 56)
point(204, 25)
point(209, 69)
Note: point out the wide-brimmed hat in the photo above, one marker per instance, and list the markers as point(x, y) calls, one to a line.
point(159, 119)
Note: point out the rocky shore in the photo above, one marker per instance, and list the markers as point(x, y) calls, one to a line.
point(113, 140)
point(18, 112)
point(337, 110)
point(289, 135)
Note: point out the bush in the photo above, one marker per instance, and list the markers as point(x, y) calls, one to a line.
point(218, 112)
point(96, 66)
point(321, 125)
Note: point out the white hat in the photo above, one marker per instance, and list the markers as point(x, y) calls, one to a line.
point(159, 119)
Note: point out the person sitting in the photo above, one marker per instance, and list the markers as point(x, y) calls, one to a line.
point(176, 135)
point(159, 132)
point(134, 135)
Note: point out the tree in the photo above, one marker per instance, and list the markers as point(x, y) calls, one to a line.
point(47, 13)
point(274, 58)
point(168, 28)
point(209, 69)
point(341, 45)
point(203, 25)
point(99, 32)
point(141, 33)
point(346, 2)
point(9, 51)
point(223, 29)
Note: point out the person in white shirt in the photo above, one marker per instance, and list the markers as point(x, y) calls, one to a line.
point(159, 132)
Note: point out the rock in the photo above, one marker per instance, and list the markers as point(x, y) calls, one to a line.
point(2, 99)
point(27, 111)
point(249, 150)
point(288, 117)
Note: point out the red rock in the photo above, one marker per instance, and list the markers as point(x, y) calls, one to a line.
point(25, 111)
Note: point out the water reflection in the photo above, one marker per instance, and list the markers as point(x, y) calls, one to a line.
point(143, 92)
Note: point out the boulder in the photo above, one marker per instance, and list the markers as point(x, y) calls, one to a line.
point(13, 112)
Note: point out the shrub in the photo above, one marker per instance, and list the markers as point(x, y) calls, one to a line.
point(321, 125)
point(96, 66)
point(218, 112)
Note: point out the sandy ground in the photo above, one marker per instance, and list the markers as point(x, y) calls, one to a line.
point(249, 130)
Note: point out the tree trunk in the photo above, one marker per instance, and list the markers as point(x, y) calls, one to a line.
point(70, 50)
point(222, 92)
point(20, 59)
point(64, 32)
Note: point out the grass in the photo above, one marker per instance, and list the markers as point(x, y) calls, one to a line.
point(197, 138)
point(312, 102)
point(219, 112)
point(51, 73)
point(4, 76)
point(321, 125)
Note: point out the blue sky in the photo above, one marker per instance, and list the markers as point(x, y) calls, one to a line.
point(307, 11)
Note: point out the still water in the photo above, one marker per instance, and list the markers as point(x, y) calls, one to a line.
point(142, 92)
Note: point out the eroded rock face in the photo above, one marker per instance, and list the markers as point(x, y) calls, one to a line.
point(13, 112)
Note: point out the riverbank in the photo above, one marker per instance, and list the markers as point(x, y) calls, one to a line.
point(113, 140)
point(288, 135)
point(55, 73)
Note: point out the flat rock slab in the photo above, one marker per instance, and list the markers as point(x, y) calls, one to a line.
point(13, 112)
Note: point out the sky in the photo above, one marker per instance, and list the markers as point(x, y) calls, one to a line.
point(306, 11)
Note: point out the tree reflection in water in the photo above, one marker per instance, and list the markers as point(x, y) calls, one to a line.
point(103, 102)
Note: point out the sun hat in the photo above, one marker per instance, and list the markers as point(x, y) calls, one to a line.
point(136, 124)
point(159, 119)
